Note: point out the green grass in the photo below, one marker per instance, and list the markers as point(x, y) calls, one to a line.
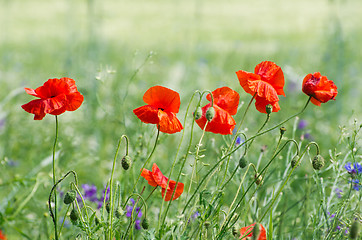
point(116, 50)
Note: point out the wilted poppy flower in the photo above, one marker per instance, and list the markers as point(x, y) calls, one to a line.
point(249, 230)
point(56, 97)
point(226, 103)
point(156, 178)
point(319, 88)
point(163, 104)
point(266, 84)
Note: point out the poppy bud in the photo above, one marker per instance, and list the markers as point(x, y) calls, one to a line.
point(258, 180)
point(354, 230)
point(108, 207)
point(210, 113)
point(256, 231)
point(145, 223)
point(269, 108)
point(282, 130)
point(74, 216)
point(70, 196)
point(242, 162)
point(294, 161)
point(207, 224)
point(198, 113)
point(318, 162)
point(119, 212)
point(126, 162)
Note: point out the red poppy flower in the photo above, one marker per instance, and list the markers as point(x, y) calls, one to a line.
point(267, 82)
point(163, 104)
point(56, 97)
point(156, 178)
point(249, 229)
point(2, 236)
point(319, 88)
point(226, 103)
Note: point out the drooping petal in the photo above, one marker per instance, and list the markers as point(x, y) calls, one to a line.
point(147, 174)
point(168, 122)
point(71, 84)
point(272, 74)
point(35, 107)
point(31, 91)
point(222, 123)
point(260, 104)
point(245, 79)
point(74, 100)
point(159, 178)
point(264, 90)
point(162, 98)
point(172, 187)
point(226, 98)
point(147, 114)
point(55, 103)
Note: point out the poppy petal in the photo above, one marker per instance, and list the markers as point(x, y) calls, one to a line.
point(245, 78)
point(222, 123)
point(271, 73)
point(35, 107)
point(159, 178)
point(52, 88)
point(179, 190)
point(55, 103)
point(168, 122)
point(71, 84)
point(74, 100)
point(31, 91)
point(319, 88)
point(260, 104)
point(249, 230)
point(147, 114)
point(226, 98)
point(264, 90)
point(162, 98)
point(147, 174)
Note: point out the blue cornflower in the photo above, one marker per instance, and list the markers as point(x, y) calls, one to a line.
point(356, 184)
point(356, 169)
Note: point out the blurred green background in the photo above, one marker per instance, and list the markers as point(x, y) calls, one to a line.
point(116, 50)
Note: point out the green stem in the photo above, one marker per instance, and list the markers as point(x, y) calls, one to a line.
point(54, 181)
point(234, 139)
point(148, 159)
point(111, 183)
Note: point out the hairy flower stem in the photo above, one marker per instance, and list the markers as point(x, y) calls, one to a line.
point(184, 160)
point(147, 161)
point(224, 227)
point(235, 137)
point(55, 220)
point(110, 216)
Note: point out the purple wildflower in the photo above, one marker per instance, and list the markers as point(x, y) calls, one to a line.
point(101, 200)
point(302, 124)
point(90, 192)
point(356, 184)
point(137, 224)
point(338, 192)
point(356, 169)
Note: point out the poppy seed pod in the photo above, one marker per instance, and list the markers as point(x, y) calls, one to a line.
point(258, 180)
point(70, 196)
point(126, 162)
point(294, 161)
point(242, 162)
point(108, 207)
point(74, 216)
point(354, 230)
point(269, 108)
point(145, 223)
point(210, 113)
point(282, 130)
point(207, 224)
point(119, 212)
point(318, 162)
point(198, 113)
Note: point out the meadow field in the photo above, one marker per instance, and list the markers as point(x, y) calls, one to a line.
point(117, 50)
